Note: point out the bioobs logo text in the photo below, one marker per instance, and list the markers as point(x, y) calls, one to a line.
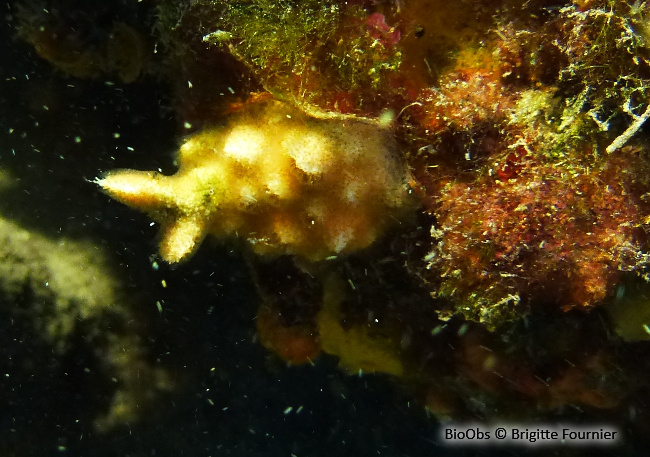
point(465, 434)
point(530, 434)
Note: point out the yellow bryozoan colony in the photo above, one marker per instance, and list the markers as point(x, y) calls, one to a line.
point(287, 182)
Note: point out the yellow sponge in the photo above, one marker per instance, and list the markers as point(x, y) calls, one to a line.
point(287, 182)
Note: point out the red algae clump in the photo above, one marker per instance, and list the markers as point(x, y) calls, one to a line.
point(549, 233)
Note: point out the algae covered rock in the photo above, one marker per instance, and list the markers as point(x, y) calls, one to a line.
point(64, 298)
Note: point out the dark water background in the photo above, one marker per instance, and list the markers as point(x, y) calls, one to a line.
point(235, 398)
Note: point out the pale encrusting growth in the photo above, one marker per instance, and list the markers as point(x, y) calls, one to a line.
point(287, 182)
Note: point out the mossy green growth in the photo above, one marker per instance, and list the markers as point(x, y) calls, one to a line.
point(364, 61)
point(300, 48)
point(492, 307)
point(560, 126)
point(606, 48)
point(279, 34)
